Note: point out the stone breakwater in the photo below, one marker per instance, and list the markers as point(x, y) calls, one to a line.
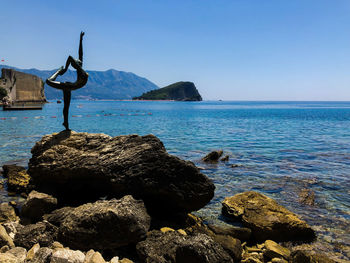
point(92, 198)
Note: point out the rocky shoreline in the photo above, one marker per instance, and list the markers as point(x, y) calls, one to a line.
point(92, 198)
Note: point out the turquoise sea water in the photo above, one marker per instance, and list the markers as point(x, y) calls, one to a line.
point(280, 148)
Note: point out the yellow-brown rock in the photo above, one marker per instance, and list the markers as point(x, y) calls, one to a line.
point(266, 218)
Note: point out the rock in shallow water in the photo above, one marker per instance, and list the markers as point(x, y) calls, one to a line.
point(266, 218)
point(17, 178)
point(103, 224)
point(87, 166)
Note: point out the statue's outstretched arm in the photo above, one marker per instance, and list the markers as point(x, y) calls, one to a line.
point(81, 46)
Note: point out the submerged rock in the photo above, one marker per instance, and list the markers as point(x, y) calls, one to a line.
point(105, 224)
point(266, 218)
point(212, 156)
point(38, 204)
point(84, 166)
point(17, 178)
point(305, 256)
point(307, 197)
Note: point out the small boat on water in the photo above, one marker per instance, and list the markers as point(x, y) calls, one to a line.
point(58, 101)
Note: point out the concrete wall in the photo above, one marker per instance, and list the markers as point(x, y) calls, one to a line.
point(22, 87)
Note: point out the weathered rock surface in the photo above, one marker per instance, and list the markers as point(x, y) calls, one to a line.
point(241, 233)
point(105, 224)
point(88, 166)
point(43, 233)
point(19, 252)
point(38, 204)
point(201, 249)
point(274, 250)
point(43, 255)
point(5, 239)
point(9, 258)
point(159, 246)
point(17, 178)
point(231, 245)
point(65, 255)
point(212, 156)
point(93, 257)
point(7, 213)
point(266, 218)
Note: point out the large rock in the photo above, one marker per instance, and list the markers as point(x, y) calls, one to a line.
point(17, 178)
point(43, 233)
point(75, 166)
point(38, 204)
point(201, 249)
point(159, 247)
point(266, 218)
point(5, 239)
point(105, 224)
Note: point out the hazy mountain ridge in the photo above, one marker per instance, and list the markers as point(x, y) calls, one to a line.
point(110, 84)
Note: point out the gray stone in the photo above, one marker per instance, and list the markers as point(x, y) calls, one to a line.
point(43, 255)
point(266, 218)
point(81, 166)
point(38, 204)
point(105, 224)
point(65, 255)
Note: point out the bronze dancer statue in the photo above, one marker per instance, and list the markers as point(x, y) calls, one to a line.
point(67, 87)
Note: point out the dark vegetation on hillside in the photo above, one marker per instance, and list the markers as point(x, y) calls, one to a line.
point(179, 91)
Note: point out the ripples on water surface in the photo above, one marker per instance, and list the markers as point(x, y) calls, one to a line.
point(279, 147)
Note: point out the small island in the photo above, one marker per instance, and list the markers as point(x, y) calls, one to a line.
point(179, 91)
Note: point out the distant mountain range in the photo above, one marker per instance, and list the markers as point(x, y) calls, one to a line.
point(110, 84)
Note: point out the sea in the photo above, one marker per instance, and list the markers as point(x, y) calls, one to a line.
point(275, 148)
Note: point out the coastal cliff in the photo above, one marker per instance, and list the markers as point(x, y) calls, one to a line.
point(22, 87)
point(179, 91)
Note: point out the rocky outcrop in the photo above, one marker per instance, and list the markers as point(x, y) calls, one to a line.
point(159, 246)
point(212, 156)
point(38, 204)
point(17, 178)
point(74, 166)
point(43, 233)
point(22, 87)
point(266, 218)
point(180, 91)
point(201, 249)
point(105, 224)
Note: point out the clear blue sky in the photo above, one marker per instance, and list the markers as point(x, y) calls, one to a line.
point(231, 49)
